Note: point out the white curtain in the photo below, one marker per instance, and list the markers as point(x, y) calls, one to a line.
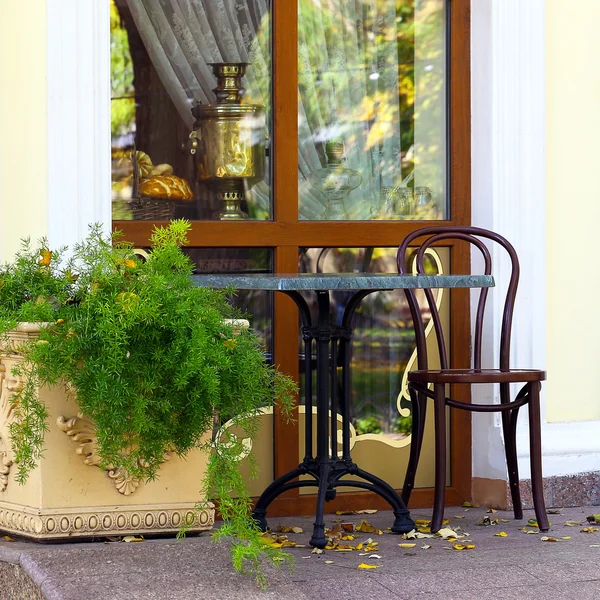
point(348, 78)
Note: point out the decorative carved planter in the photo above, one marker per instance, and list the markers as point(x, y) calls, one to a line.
point(68, 495)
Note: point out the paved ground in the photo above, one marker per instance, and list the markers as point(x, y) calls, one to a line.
point(519, 565)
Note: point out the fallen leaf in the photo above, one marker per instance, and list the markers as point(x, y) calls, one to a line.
point(491, 510)
point(366, 566)
point(487, 521)
point(565, 537)
point(572, 523)
point(531, 531)
point(343, 549)
point(545, 538)
point(374, 556)
point(463, 547)
point(328, 562)
point(501, 534)
point(348, 527)
point(407, 545)
point(503, 520)
point(422, 522)
point(415, 535)
point(288, 544)
point(317, 551)
point(469, 505)
point(593, 518)
point(132, 538)
point(589, 530)
point(447, 533)
point(533, 522)
point(425, 547)
point(7, 538)
point(347, 538)
point(365, 511)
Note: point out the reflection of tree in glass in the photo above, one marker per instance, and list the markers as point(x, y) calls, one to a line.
point(122, 112)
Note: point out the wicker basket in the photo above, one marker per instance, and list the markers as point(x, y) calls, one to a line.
point(152, 209)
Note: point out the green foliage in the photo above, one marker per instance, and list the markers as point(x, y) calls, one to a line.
point(150, 359)
point(368, 425)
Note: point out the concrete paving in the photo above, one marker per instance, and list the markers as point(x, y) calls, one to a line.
point(517, 566)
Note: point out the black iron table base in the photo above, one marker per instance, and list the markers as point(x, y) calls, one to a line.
point(330, 465)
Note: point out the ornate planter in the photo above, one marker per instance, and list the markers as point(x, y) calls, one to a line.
point(68, 495)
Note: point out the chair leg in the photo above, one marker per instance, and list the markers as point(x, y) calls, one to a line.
point(509, 426)
point(535, 452)
point(419, 408)
point(440, 456)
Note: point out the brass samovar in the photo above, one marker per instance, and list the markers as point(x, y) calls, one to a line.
point(229, 139)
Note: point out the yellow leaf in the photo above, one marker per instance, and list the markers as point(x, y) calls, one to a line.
point(469, 505)
point(459, 547)
point(359, 546)
point(589, 530)
point(501, 534)
point(343, 549)
point(548, 539)
point(133, 538)
point(7, 538)
point(572, 523)
point(46, 257)
point(347, 538)
point(366, 566)
point(328, 562)
point(565, 537)
point(365, 527)
point(422, 522)
point(317, 551)
point(407, 545)
point(533, 522)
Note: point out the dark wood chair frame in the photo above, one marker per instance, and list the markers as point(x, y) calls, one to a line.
point(422, 380)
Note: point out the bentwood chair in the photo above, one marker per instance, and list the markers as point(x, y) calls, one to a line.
point(426, 383)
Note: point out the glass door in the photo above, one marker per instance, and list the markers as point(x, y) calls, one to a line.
point(302, 135)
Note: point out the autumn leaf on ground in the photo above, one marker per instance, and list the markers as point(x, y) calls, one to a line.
point(348, 527)
point(491, 510)
point(501, 534)
point(366, 566)
point(317, 551)
point(366, 527)
point(407, 545)
point(593, 518)
point(463, 546)
point(545, 538)
point(7, 538)
point(425, 547)
point(416, 535)
point(132, 538)
point(589, 530)
point(447, 533)
point(469, 505)
point(572, 523)
point(290, 529)
point(328, 562)
point(365, 511)
point(533, 522)
point(565, 537)
point(487, 521)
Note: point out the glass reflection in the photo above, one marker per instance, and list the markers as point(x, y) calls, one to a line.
point(383, 341)
point(372, 78)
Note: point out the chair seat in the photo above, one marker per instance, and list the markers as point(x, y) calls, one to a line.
point(477, 376)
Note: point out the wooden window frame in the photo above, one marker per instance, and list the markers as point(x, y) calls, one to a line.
point(286, 234)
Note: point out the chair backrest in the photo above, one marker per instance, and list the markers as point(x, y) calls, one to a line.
point(472, 235)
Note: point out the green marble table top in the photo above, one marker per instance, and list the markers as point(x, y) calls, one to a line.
point(341, 281)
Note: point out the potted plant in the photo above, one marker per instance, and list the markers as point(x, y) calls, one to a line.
point(154, 362)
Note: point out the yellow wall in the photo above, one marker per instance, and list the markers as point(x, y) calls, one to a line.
point(23, 123)
point(573, 216)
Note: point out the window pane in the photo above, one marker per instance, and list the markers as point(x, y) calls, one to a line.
point(383, 349)
point(167, 61)
point(372, 116)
